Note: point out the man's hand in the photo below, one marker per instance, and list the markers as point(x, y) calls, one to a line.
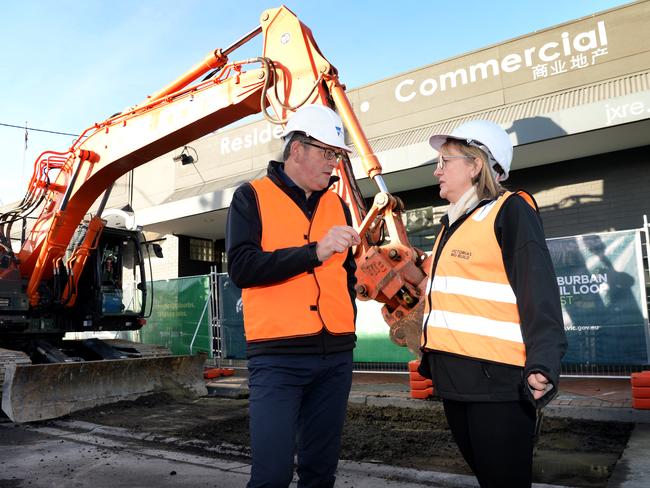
point(338, 239)
point(539, 385)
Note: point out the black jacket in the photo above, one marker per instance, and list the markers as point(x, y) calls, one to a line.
point(519, 232)
point(249, 266)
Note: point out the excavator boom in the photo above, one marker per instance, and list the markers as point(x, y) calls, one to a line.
point(214, 93)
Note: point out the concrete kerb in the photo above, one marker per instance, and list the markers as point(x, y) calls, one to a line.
point(373, 472)
point(632, 469)
point(388, 395)
point(600, 414)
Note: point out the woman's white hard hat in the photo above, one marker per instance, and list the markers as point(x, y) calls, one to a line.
point(318, 122)
point(485, 135)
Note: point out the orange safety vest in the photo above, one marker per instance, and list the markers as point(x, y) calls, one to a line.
point(471, 309)
point(304, 304)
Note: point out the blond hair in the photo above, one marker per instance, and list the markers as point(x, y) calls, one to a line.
point(487, 187)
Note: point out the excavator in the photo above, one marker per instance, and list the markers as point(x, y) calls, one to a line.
point(75, 273)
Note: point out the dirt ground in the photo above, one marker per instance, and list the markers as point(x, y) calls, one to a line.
point(570, 452)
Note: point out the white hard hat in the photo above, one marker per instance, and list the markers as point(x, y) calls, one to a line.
point(485, 135)
point(319, 122)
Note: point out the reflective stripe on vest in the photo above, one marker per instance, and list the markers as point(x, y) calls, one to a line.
point(303, 304)
point(471, 309)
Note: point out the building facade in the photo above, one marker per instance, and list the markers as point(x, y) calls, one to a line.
point(575, 99)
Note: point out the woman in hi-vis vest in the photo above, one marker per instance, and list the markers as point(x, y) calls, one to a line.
point(493, 335)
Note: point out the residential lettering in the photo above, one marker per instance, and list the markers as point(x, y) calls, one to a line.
point(257, 136)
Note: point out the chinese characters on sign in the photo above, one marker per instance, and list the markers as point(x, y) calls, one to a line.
point(581, 51)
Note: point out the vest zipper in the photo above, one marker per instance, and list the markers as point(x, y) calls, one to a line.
point(311, 221)
point(442, 242)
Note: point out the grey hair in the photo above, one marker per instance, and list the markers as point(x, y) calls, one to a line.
point(295, 136)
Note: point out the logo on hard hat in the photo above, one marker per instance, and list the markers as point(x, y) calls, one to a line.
point(338, 130)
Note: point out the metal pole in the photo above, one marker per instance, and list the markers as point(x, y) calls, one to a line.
point(215, 318)
point(647, 262)
point(198, 324)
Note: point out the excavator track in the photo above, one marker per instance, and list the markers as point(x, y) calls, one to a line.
point(146, 350)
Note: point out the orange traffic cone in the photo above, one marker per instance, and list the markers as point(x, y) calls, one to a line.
point(421, 387)
point(641, 390)
point(211, 373)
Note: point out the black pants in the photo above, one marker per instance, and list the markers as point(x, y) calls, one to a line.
point(297, 404)
point(496, 440)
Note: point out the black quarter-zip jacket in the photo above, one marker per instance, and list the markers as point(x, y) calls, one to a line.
point(520, 234)
point(249, 265)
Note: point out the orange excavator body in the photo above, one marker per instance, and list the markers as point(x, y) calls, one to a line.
point(291, 72)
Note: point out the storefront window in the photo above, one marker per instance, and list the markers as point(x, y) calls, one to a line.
point(202, 250)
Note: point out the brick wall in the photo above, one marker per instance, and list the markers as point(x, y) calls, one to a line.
point(167, 267)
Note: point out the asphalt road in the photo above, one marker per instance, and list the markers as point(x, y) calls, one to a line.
point(70, 454)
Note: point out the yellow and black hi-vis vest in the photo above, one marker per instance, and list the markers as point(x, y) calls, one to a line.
point(304, 304)
point(471, 309)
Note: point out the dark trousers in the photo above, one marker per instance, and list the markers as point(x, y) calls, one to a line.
point(496, 440)
point(297, 405)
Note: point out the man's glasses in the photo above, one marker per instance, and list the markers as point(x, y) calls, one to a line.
point(443, 160)
point(328, 153)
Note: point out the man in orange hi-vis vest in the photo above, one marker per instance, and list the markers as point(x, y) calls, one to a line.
point(289, 239)
point(493, 334)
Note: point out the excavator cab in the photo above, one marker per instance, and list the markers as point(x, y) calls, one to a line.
point(113, 291)
point(68, 366)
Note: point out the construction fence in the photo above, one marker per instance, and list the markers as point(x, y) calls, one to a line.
point(602, 280)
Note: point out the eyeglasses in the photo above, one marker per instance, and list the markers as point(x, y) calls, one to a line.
point(328, 152)
point(443, 160)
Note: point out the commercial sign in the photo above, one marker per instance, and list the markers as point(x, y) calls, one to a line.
point(549, 59)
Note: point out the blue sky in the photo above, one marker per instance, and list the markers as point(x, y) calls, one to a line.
point(66, 64)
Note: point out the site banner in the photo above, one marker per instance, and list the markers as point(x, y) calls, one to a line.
point(178, 308)
point(231, 317)
point(601, 282)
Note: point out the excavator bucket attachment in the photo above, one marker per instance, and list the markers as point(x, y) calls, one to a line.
point(407, 331)
point(47, 391)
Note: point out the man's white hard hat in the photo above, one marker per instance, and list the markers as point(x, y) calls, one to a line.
point(318, 122)
point(485, 135)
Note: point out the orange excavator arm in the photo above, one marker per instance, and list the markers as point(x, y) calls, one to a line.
point(291, 72)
